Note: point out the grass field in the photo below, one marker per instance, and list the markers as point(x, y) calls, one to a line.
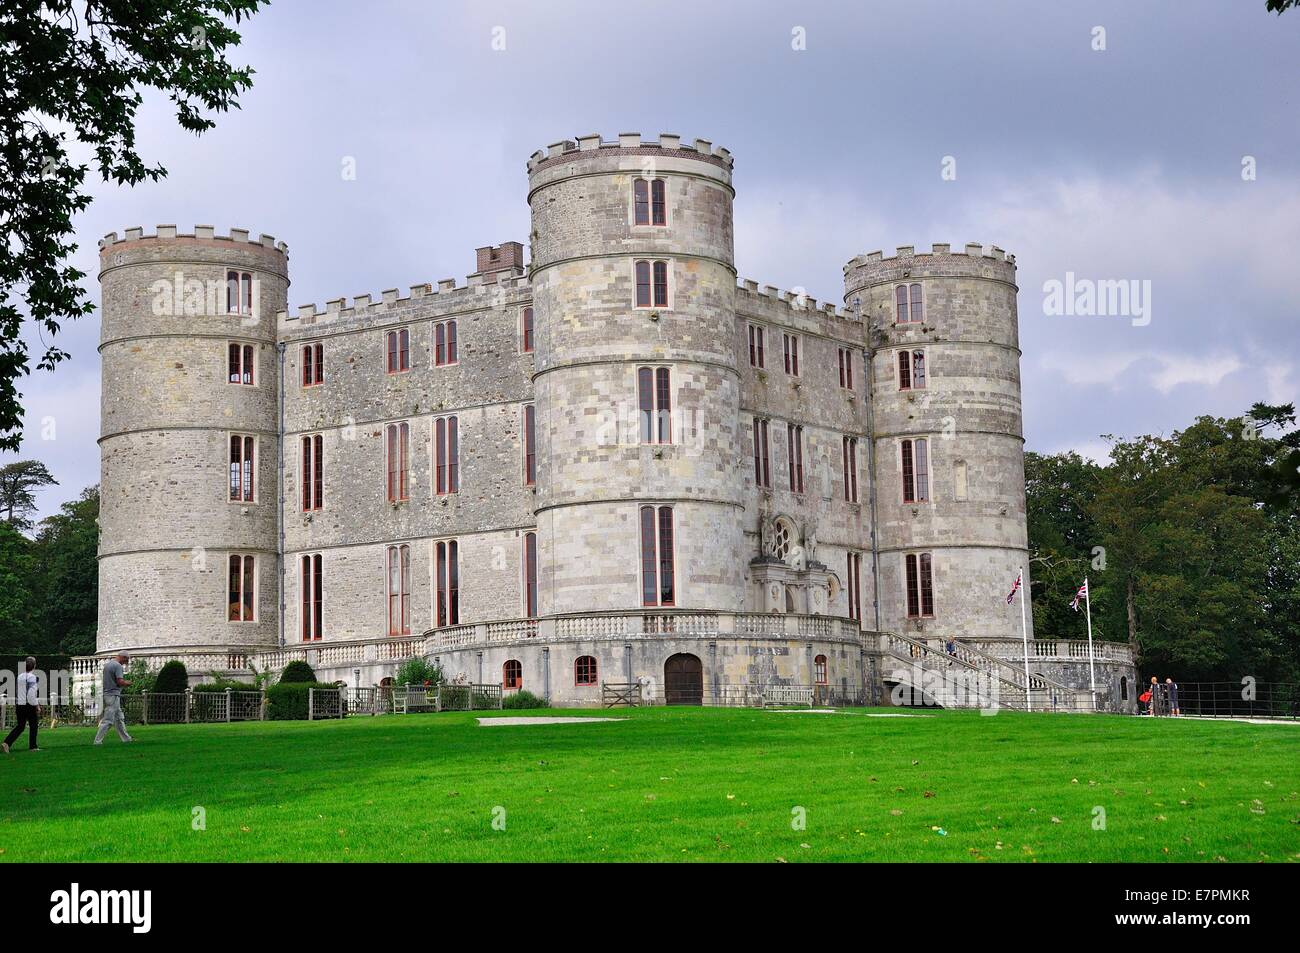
point(666, 784)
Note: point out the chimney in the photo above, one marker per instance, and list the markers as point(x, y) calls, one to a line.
point(507, 257)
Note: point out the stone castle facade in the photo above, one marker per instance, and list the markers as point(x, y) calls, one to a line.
point(611, 462)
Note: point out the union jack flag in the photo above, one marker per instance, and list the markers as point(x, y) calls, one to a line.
point(1011, 596)
point(1079, 596)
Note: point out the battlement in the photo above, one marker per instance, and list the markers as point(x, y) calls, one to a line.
point(972, 250)
point(201, 232)
point(445, 290)
point(794, 302)
point(629, 143)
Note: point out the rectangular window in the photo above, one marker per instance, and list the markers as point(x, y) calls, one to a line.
point(794, 441)
point(651, 283)
point(526, 322)
point(399, 351)
point(530, 445)
point(312, 591)
point(313, 473)
point(908, 307)
point(239, 292)
point(446, 556)
point(446, 453)
point(399, 590)
point(851, 469)
point(444, 344)
point(918, 369)
point(313, 365)
point(654, 404)
point(853, 582)
point(819, 670)
point(904, 370)
point(240, 364)
point(242, 585)
point(756, 357)
point(657, 571)
point(846, 368)
point(762, 455)
point(790, 350)
point(530, 575)
point(919, 571)
point(397, 449)
point(916, 471)
point(243, 458)
point(641, 201)
point(658, 203)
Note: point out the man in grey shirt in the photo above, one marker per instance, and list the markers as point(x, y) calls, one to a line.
point(113, 685)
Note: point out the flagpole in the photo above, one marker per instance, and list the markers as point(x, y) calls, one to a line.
point(1092, 673)
point(1024, 635)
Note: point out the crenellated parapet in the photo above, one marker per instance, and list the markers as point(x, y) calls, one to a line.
point(628, 143)
point(477, 291)
point(974, 261)
point(167, 244)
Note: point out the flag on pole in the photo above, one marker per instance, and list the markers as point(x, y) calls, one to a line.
point(1011, 596)
point(1079, 596)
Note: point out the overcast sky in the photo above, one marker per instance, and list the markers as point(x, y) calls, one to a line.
point(1122, 163)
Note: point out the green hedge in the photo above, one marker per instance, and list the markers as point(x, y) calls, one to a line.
point(172, 678)
point(523, 699)
point(298, 672)
point(288, 701)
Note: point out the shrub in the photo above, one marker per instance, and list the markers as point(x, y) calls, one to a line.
point(418, 671)
point(141, 679)
point(221, 684)
point(287, 701)
point(523, 699)
point(172, 678)
point(298, 672)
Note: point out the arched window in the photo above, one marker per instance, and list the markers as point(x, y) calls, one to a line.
point(907, 301)
point(657, 564)
point(651, 284)
point(446, 555)
point(243, 583)
point(1123, 688)
point(313, 472)
point(654, 400)
point(584, 670)
point(313, 364)
point(446, 455)
point(399, 461)
point(240, 364)
point(444, 343)
point(916, 471)
point(919, 570)
point(530, 575)
point(819, 670)
point(399, 351)
point(399, 590)
point(243, 456)
point(648, 201)
point(527, 327)
point(239, 292)
point(312, 585)
point(530, 445)
point(512, 674)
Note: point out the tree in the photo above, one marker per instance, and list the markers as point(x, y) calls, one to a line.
point(81, 65)
point(1279, 6)
point(18, 483)
point(16, 571)
point(66, 548)
point(1059, 494)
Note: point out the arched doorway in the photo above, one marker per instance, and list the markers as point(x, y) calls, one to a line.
point(683, 680)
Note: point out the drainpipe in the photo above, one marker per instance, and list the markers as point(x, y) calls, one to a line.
point(868, 355)
point(280, 347)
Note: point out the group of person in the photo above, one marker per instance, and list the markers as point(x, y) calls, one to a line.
point(1161, 698)
point(27, 706)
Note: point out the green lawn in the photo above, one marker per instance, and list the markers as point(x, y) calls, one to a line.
point(667, 784)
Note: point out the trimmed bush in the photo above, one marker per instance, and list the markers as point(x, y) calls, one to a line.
point(287, 701)
point(523, 699)
point(172, 677)
point(298, 672)
point(221, 684)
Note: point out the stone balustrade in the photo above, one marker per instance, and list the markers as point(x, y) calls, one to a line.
point(1057, 650)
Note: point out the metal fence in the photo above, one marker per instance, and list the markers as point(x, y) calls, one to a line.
point(1229, 700)
point(326, 703)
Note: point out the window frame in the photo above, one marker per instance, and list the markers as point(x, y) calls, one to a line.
point(446, 583)
point(512, 675)
point(790, 353)
point(397, 569)
point(241, 364)
point(655, 399)
point(794, 453)
point(247, 601)
point(529, 566)
point(397, 351)
point(397, 436)
point(820, 670)
point(654, 268)
point(240, 284)
point(757, 357)
point(914, 466)
point(446, 343)
point(241, 471)
point(909, 303)
point(760, 434)
point(311, 473)
point(311, 602)
point(846, 367)
point(586, 675)
point(527, 331)
point(652, 552)
point(313, 364)
point(528, 435)
point(446, 454)
point(853, 583)
point(918, 585)
point(849, 455)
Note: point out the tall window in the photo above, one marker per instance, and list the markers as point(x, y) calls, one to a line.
point(911, 369)
point(446, 455)
point(651, 284)
point(397, 450)
point(526, 329)
point(241, 588)
point(790, 350)
point(313, 472)
point(399, 590)
point(649, 202)
point(512, 674)
point(399, 351)
point(657, 587)
point(853, 583)
point(756, 357)
point(819, 670)
point(762, 454)
point(312, 592)
point(851, 469)
point(907, 301)
point(654, 400)
point(444, 343)
point(243, 460)
point(846, 368)
point(530, 445)
point(313, 365)
point(530, 575)
point(240, 364)
point(794, 439)
point(584, 670)
point(920, 585)
point(916, 471)
point(446, 556)
point(239, 292)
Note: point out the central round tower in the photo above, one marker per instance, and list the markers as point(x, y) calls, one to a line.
point(637, 390)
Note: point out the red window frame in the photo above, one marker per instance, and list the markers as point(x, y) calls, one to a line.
point(445, 351)
point(446, 557)
point(241, 588)
point(908, 304)
point(850, 453)
point(446, 455)
point(313, 365)
point(919, 576)
point(819, 670)
point(854, 584)
point(243, 463)
point(312, 591)
point(651, 279)
point(399, 351)
point(512, 674)
point(794, 446)
point(654, 404)
point(313, 472)
point(756, 355)
point(658, 202)
point(397, 444)
point(649, 202)
point(658, 565)
point(239, 292)
point(918, 370)
point(916, 470)
point(584, 671)
point(530, 445)
point(530, 575)
point(241, 365)
point(762, 453)
point(399, 590)
point(526, 322)
point(846, 368)
point(790, 349)
point(904, 370)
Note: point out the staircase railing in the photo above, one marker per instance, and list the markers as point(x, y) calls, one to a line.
point(1054, 695)
point(988, 688)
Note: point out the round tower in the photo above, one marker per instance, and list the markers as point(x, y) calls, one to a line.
point(638, 395)
point(949, 448)
point(189, 477)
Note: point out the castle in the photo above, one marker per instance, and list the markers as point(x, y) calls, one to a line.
point(611, 462)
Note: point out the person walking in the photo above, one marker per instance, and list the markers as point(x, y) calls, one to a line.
point(1171, 687)
point(114, 682)
point(28, 708)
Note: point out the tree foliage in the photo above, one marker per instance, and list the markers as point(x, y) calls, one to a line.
point(18, 485)
point(79, 66)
